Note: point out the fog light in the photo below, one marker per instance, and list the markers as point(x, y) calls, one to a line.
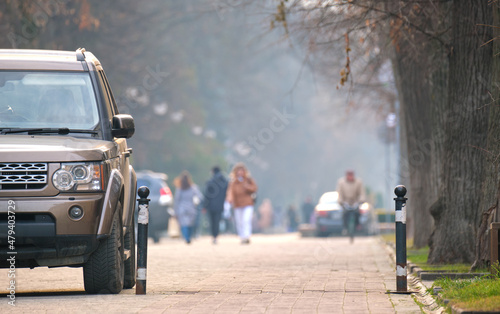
point(76, 213)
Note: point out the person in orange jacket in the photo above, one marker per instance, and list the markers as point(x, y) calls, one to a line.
point(241, 195)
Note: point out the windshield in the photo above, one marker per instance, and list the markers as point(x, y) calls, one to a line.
point(47, 100)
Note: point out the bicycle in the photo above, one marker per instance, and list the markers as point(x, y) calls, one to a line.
point(350, 212)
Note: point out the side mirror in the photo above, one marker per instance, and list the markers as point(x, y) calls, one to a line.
point(123, 126)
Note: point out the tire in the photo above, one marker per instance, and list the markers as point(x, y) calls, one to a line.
point(104, 271)
point(129, 264)
point(351, 226)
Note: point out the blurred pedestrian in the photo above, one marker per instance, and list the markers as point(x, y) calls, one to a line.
point(214, 197)
point(278, 222)
point(307, 210)
point(198, 222)
point(351, 193)
point(187, 197)
point(240, 194)
point(227, 220)
point(292, 219)
point(266, 215)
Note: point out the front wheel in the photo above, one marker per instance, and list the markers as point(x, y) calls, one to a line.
point(104, 271)
point(351, 225)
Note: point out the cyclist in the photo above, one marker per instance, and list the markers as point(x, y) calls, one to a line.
point(351, 194)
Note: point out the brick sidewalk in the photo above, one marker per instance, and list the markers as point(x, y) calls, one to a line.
point(274, 274)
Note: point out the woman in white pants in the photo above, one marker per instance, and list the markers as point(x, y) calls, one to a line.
point(239, 194)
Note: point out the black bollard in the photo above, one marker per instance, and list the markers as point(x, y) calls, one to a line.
point(142, 240)
point(401, 272)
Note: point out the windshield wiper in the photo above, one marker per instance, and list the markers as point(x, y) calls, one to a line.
point(60, 131)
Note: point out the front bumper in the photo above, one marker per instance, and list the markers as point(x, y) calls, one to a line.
point(44, 234)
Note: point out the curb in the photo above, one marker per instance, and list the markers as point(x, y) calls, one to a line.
point(423, 297)
point(427, 301)
point(456, 310)
point(437, 274)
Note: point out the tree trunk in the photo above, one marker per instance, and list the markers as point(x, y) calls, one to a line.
point(456, 213)
point(415, 103)
point(421, 77)
point(483, 240)
point(491, 184)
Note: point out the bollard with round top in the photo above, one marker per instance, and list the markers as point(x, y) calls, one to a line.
point(400, 191)
point(143, 192)
point(142, 239)
point(401, 270)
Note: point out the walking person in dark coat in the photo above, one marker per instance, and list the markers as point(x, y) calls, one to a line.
point(214, 197)
point(292, 219)
point(307, 210)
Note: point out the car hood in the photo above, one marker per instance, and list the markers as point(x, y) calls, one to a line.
point(40, 148)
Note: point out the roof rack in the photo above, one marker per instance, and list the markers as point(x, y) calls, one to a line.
point(80, 56)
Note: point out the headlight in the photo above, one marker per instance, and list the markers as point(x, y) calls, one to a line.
point(78, 177)
point(63, 180)
point(364, 207)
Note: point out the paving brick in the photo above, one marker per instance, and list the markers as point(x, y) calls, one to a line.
point(275, 274)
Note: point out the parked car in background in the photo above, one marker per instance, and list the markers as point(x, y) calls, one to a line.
point(328, 214)
point(161, 201)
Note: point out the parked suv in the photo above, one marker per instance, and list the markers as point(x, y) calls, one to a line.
point(67, 189)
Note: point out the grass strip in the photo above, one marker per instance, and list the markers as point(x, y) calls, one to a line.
point(480, 294)
point(477, 294)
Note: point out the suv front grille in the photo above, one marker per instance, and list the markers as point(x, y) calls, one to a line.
point(23, 176)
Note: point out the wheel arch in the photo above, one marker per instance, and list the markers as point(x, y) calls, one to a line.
point(114, 194)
